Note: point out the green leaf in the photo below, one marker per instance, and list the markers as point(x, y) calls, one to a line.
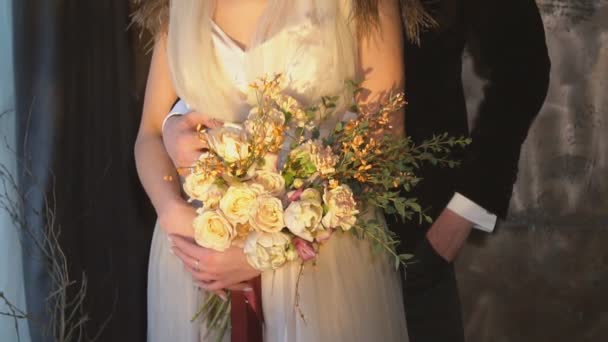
point(339, 126)
point(288, 116)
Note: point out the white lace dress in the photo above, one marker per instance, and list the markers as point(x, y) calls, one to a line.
point(348, 295)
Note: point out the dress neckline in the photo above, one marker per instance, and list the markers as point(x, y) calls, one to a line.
point(251, 43)
point(229, 40)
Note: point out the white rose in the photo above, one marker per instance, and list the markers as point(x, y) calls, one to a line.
point(311, 194)
point(266, 251)
point(212, 230)
point(302, 217)
point(272, 182)
point(267, 214)
point(341, 208)
point(211, 198)
point(238, 202)
point(231, 179)
point(229, 142)
point(196, 186)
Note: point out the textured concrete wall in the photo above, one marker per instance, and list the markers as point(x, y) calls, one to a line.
point(542, 275)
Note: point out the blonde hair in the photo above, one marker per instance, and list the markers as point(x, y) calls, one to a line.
point(197, 74)
point(191, 57)
point(153, 15)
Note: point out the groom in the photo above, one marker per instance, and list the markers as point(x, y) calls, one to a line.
point(507, 43)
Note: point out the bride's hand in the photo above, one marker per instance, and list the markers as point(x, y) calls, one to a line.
point(181, 139)
point(212, 270)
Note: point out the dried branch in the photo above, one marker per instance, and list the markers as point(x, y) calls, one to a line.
point(65, 302)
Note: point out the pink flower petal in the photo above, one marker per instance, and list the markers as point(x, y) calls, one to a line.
point(305, 249)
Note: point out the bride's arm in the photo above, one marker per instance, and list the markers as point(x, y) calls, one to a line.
point(381, 64)
point(156, 171)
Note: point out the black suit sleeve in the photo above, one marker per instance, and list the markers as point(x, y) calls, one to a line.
point(507, 42)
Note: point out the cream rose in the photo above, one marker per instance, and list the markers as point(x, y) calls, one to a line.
point(238, 202)
point(266, 214)
point(303, 217)
point(211, 198)
point(322, 157)
point(272, 182)
point(311, 194)
point(271, 161)
point(324, 160)
point(267, 251)
point(229, 142)
point(196, 186)
point(341, 208)
point(212, 230)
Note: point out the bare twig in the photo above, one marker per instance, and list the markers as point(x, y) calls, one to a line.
point(14, 312)
point(65, 302)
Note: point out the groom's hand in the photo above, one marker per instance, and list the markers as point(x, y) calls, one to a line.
point(216, 270)
point(434, 254)
point(448, 234)
point(181, 139)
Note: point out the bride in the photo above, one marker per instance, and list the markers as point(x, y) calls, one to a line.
point(206, 55)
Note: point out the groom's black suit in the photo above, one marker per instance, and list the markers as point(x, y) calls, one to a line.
point(507, 42)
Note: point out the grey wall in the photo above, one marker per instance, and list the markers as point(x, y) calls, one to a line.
point(542, 275)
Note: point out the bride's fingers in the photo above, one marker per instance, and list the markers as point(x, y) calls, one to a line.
point(188, 146)
point(189, 248)
point(189, 262)
point(197, 268)
point(191, 140)
point(238, 287)
point(187, 159)
point(214, 286)
point(220, 293)
point(199, 118)
point(205, 277)
point(221, 285)
point(245, 287)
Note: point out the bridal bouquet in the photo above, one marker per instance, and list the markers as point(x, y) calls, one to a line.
point(279, 188)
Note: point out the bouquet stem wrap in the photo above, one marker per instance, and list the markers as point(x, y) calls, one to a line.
point(246, 316)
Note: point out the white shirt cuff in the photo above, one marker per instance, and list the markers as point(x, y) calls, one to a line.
point(481, 218)
point(180, 108)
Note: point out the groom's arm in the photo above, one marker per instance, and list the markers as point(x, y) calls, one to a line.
point(507, 42)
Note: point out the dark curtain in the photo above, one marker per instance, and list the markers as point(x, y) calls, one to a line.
point(36, 99)
point(78, 105)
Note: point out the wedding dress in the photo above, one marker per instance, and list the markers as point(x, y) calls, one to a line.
point(349, 294)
